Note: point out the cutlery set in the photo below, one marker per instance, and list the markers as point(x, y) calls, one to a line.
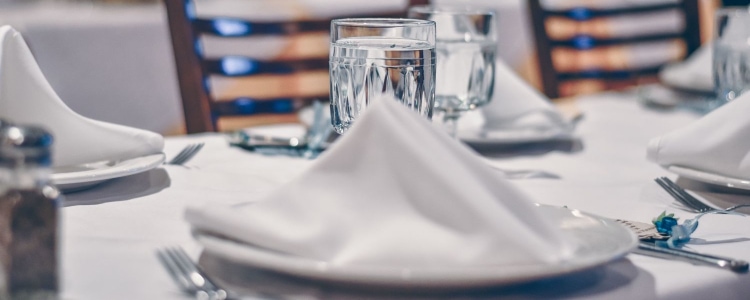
point(309, 146)
point(697, 206)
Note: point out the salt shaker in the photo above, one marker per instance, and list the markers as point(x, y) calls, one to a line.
point(29, 207)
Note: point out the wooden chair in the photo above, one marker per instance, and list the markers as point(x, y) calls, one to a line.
point(198, 72)
point(565, 60)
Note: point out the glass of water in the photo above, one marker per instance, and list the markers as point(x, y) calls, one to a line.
point(376, 58)
point(466, 47)
point(731, 61)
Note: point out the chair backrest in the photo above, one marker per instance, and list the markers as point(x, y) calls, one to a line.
point(609, 46)
point(267, 90)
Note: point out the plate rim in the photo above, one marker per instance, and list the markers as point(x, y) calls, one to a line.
point(709, 177)
point(666, 79)
point(120, 168)
point(460, 278)
point(473, 136)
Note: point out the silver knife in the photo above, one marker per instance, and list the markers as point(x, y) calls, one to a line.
point(736, 265)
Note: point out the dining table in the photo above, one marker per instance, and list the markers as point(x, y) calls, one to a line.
point(111, 231)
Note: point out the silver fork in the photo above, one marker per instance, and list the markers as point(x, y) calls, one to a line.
point(189, 276)
point(186, 154)
point(682, 196)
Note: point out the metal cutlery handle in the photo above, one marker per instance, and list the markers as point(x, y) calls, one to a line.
point(739, 266)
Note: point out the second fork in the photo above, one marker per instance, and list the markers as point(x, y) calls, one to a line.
point(682, 196)
point(186, 154)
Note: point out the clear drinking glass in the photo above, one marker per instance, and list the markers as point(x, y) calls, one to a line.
point(731, 61)
point(466, 47)
point(372, 58)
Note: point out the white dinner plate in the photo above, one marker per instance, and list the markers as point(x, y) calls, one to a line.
point(711, 178)
point(87, 175)
point(471, 132)
point(512, 136)
point(598, 241)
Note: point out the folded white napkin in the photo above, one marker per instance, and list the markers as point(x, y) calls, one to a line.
point(515, 105)
point(694, 73)
point(27, 98)
point(716, 143)
point(394, 191)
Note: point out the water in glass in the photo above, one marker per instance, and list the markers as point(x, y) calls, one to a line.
point(366, 68)
point(731, 71)
point(468, 70)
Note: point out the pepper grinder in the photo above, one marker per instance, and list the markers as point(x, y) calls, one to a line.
point(29, 207)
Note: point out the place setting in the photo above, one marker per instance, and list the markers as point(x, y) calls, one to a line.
point(367, 150)
point(347, 233)
point(357, 218)
point(712, 75)
point(485, 104)
point(715, 166)
point(87, 152)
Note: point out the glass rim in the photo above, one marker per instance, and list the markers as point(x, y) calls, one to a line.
point(452, 9)
point(382, 22)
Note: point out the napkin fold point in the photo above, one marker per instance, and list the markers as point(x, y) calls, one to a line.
point(716, 143)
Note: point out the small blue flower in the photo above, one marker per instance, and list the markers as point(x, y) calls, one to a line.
point(664, 223)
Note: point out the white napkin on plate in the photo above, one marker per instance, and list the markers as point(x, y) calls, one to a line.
point(717, 143)
point(515, 105)
point(394, 191)
point(694, 73)
point(27, 98)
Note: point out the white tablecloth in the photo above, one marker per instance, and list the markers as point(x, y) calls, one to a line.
point(110, 233)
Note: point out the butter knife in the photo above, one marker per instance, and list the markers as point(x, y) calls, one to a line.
point(649, 249)
point(648, 235)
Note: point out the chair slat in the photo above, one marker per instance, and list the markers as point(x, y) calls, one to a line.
point(250, 106)
point(585, 42)
point(586, 13)
point(607, 74)
point(244, 66)
point(229, 27)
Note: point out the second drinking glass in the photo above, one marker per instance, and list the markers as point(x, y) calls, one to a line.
point(731, 57)
point(376, 58)
point(466, 47)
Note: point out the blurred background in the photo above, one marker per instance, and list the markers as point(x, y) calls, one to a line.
point(112, 59)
